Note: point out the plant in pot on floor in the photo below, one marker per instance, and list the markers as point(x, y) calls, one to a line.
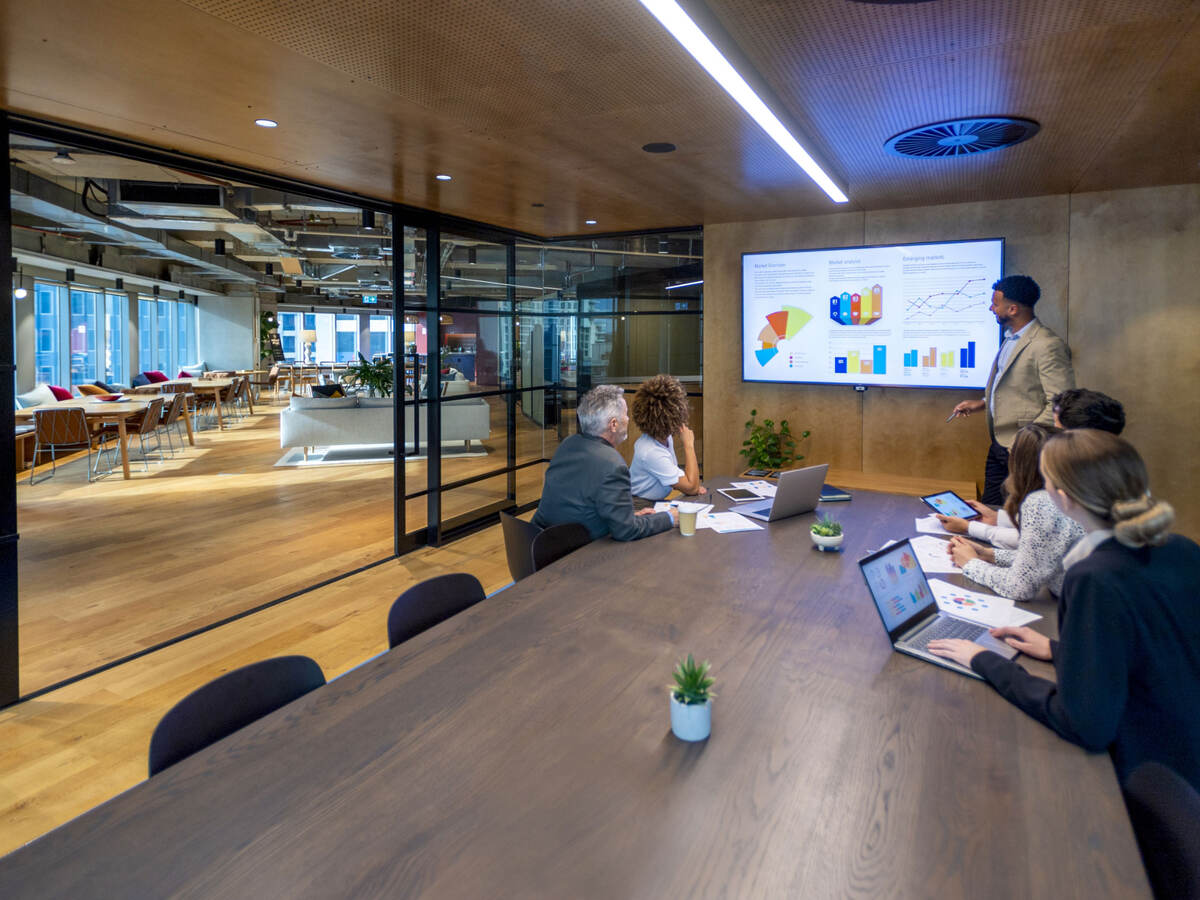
point(826, 532)
point(376, 377)
point(770, 448)
point(691, 700)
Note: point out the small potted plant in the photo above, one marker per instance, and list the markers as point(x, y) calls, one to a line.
point(826, 532)
point(691, 700)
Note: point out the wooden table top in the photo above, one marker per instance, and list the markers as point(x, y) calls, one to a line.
point(92, 407)
point(523, 748)
point(207, 384)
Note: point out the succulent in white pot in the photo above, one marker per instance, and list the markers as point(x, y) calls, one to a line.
point(826, 532)
point(691, 700)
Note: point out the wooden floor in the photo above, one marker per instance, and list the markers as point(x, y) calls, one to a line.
point(112, 567)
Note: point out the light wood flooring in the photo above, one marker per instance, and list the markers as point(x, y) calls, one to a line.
point(110, 568)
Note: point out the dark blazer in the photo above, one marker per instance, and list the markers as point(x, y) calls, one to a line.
point(587, 481)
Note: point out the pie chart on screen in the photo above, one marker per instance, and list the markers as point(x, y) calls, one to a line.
point(780, 326)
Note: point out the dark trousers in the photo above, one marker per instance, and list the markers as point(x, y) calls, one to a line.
point(994, 473)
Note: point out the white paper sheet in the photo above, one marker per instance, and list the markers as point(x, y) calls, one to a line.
point(726, 522)
point(986, 609)
point(933, 555)
point(930, 525)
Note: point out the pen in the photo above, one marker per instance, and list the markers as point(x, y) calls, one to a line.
point(952, 415)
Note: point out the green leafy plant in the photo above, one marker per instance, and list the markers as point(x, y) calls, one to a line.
point(692, 682)
point(375, 376)
point(767, 448)
point(266, 324)
point(826, 526)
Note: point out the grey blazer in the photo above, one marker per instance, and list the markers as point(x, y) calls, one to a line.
point(1038, 368)
point(587, 481)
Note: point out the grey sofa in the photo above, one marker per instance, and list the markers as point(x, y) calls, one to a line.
point(322, 422)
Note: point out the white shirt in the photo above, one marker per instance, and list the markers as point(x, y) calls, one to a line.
point(654, 471)
point(1003, 534)
point(1006, 349)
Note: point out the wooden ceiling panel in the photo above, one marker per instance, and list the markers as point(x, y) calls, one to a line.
point(550, 101)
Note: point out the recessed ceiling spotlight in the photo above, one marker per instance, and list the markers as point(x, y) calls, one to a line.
point(589, 222)
point(63, 158)
point(266, 123)
point(659, 147)
point(442, 177)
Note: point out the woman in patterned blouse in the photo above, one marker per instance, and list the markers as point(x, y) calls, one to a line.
point(1045, 533)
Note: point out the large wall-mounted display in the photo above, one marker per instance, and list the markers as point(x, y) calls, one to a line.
point(914, 315)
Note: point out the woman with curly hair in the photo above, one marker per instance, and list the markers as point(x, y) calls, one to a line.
point(660, 410)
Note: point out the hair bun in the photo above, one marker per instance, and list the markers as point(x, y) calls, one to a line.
point(1142, 521)
point(1127, 509)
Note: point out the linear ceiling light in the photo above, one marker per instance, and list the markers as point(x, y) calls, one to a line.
point(676, 21)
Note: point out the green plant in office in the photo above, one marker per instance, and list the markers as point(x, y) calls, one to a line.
point(376, 377)
point(266, 324)
point(693, 684)
point(826, 526)
point(768, 447)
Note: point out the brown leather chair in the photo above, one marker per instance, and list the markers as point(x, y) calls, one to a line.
point(58, 430)
point(170, 419)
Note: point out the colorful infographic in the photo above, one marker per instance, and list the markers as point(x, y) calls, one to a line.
point(781, 325)
point(865, 308)
point(913, 315)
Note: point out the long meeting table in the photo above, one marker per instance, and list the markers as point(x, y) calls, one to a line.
point(522, 748)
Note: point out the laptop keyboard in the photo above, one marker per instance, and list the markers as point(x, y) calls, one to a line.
point(946, 627)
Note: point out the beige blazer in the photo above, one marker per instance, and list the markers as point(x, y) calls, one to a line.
point(1038, 368)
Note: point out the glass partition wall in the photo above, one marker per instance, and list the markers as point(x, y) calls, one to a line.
point(137, 263)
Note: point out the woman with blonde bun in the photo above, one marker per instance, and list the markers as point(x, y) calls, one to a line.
point(1128, 653)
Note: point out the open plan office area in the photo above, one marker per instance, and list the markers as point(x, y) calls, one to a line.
point(304, 301)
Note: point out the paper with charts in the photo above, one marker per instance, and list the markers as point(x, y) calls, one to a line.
point(933, 555)
point(986, 609)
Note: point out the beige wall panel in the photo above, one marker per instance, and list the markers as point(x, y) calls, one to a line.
point(1135, 317)
point(833, 414)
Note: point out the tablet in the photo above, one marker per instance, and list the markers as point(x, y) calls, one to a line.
point(738, 495)
point(949, 503)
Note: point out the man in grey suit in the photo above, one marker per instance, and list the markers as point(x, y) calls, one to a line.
point(587, 481)
point(1032, 367)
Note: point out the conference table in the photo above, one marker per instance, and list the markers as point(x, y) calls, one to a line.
point(522, 748)
point(208, 386)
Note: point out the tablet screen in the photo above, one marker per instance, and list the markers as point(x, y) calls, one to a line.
point(737, 495)
point(949, 503)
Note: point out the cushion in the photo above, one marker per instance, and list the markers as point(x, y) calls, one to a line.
point(376, 402)
point(155, 376)
point(196, 369)
point(90, 390)
point(39, 395)
point(450, 388)
point(139, 380)
point(328, 390)
point(323, 402)
point(106, 388)
point(185, 374)
point(60, 393)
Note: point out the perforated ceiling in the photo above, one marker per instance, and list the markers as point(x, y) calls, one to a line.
point(550, 101)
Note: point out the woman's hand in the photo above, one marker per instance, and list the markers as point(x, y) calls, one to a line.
point(952, 523)
point(987, 515)
point(1025, 639)
point(963, 551)
point(962, 652)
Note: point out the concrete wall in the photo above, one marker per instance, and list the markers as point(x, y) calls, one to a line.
point(227, 333)
point(1117, 275)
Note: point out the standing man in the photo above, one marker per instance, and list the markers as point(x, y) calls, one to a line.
point(587, 481)
point(1033, 365)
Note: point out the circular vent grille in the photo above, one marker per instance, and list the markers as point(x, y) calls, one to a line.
point(961, 137)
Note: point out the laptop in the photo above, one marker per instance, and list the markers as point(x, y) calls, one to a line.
point(910, 612)
point(797, 491)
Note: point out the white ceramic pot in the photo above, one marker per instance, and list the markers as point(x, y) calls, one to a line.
point(691, 722)
point(827, 542)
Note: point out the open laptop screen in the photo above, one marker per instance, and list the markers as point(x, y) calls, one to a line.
point(899, 587)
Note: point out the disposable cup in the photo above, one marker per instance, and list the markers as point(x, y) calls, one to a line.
point(687, 519)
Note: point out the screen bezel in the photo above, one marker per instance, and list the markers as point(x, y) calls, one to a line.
point(928, 501)
point(848, 384)
point(917, 617)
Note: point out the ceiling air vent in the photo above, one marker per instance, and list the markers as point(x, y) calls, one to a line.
point(961, 137)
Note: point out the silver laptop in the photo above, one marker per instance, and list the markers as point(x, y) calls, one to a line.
point(797, 491)
point(910, 612)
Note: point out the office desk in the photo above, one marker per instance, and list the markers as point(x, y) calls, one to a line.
point(523, 749)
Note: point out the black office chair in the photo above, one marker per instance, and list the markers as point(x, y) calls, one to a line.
point(518, 545)
point(557, 541)
point(1165, 812)
point(228, 703)
point(432, 601)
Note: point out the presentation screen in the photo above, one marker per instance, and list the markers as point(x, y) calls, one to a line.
point(913, 315)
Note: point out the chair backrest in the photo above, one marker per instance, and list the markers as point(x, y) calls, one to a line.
point(172, 413)
point(147, 420)
point(1165, 812)
point(432, 601)
point(61, 426)
point(183, 387)
point(557, 541)
point(228, 703)
point(518, 545)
